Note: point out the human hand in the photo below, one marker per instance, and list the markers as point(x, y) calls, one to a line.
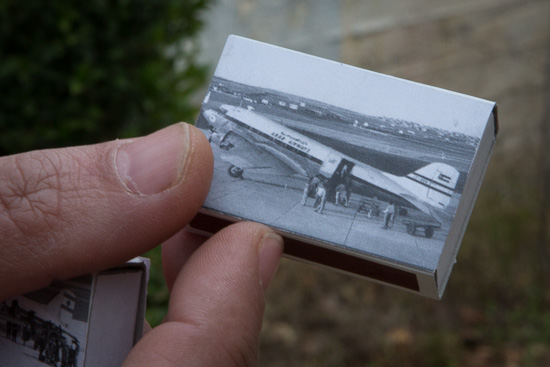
point(67, 212)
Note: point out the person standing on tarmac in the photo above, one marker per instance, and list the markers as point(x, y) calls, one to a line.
point(341, 195)
point(320, 198)
point(310, 189)
point(389, 215)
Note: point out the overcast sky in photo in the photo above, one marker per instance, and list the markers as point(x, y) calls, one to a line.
point(267, 66)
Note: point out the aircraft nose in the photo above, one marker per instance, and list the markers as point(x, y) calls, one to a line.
point(210, 116)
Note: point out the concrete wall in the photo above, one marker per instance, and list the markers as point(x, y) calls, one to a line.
point(305, 25)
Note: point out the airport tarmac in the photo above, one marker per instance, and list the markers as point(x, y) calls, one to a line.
point(276, 201)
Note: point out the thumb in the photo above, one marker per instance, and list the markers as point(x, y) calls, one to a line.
point(65, 212)
point(217, 303)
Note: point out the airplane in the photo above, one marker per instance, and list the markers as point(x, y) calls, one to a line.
point(254, 142)
point(55, 306)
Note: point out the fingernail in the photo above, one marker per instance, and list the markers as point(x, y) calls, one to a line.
point(269, 254)
point(153, 163)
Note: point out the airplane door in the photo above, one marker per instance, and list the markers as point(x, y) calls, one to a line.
point(330, 165)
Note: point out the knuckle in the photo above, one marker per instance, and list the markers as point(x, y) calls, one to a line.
point(31, 191)
point(47, 200)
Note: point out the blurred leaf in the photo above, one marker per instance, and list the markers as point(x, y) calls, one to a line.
point(157, 296)
point(89, 71)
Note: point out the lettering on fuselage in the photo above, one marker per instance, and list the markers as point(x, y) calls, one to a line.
point(291, 141)
point(281, 138)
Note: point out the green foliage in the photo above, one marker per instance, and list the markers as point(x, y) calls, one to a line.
point(78, 72)
point(157, 295)
point(81, 72)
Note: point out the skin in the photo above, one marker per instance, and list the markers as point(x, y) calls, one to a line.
point(66, 212)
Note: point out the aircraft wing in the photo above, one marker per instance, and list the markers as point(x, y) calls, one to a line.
point(241, 150)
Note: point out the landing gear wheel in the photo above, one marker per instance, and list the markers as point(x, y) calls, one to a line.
point(429, 231)
point(411, 229)
point(235, 172)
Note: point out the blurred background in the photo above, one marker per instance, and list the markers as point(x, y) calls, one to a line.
point(84, 72)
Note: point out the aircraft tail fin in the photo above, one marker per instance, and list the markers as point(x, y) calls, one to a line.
point(61, 307)
point(435, 183)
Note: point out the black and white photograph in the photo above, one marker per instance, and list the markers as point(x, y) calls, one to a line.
point(46, 327)
point(338, 155)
